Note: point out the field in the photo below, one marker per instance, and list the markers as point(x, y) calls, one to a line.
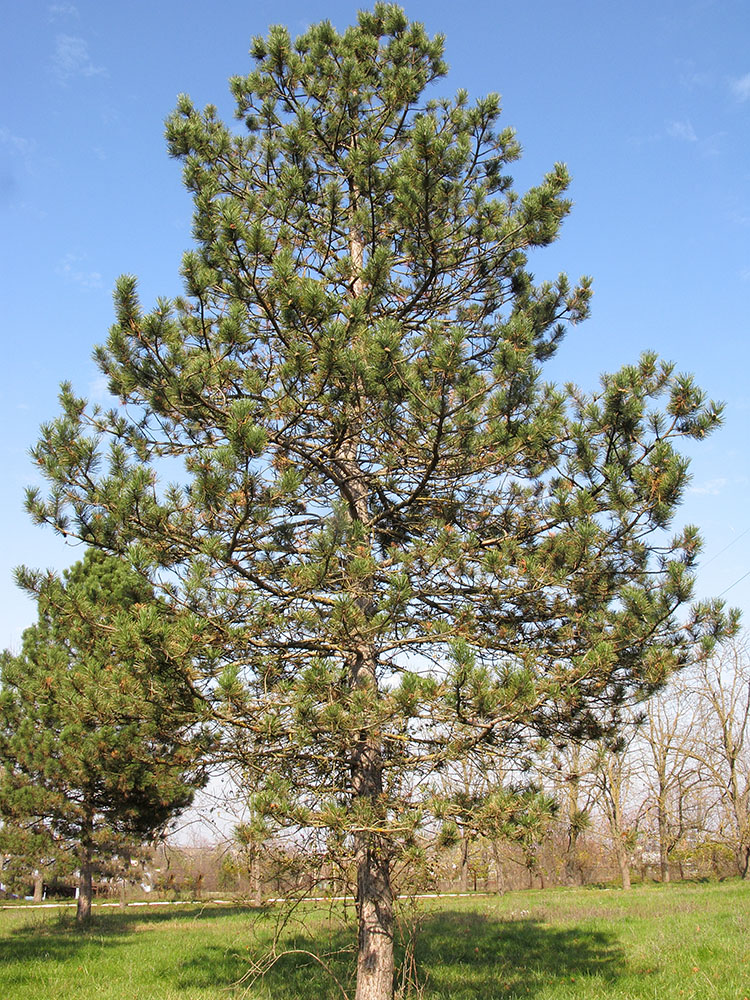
point(685, 941)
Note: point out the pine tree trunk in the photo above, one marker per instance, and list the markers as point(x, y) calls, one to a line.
point(375, 963)
point(255, 870)
point(85, 888)
point(38, 887)
point(375, 918)
point(124, 880)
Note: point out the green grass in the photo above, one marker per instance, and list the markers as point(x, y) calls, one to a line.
point(686, 942)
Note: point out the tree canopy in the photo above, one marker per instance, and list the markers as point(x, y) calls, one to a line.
point(391, 541)
point(99, 744)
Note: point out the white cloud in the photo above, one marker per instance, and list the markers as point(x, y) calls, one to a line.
point(16, 155)
point(99, 390)
point(696, 81)
point(741, 87)
point(16, 143)
point(693, 76)
point(70, 269)
point(72, 58)
point(682, 130)
point(712, 488)
point(58, 10)
point(713, 145)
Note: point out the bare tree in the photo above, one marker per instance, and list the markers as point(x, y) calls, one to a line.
point(615, 780)
point(721, 748)
point(669, 769)
point(575, 789)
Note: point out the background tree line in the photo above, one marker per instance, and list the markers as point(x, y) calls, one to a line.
point(666, 798)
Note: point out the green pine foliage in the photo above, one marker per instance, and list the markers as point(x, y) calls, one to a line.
point(98, 737)
point(395, 543)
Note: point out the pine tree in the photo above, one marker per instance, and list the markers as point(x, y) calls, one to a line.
point(98, 740)
point(398, 545)
point(31, 858)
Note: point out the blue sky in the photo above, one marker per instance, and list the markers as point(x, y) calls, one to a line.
point(647, 102)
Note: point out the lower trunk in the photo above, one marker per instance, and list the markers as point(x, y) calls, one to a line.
point(573, 868)
point(375, 918)
point(715, 867)
point(663, 846)
point(664, 867)
point(743, 860)
point(625, 874)
point(571, 871)
point(624, 863)
point(257, 887)
point(498, 868)
point(38, 887)
point(126, 867)
point(464, 883)
point(85, 889)
point(375, 965)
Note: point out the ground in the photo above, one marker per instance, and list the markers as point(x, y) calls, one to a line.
point(678, 942)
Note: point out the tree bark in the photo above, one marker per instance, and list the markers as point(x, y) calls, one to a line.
point(624, 864)
point(573, 867)
point(374, 902)
point(464, 883)
point(742, 855)
point(255, 874)
point(498, 868)
point(663, 844)
point(85, 888)
point(375, 917)
point(38, 887)
point(375, 963)
point(125, 861)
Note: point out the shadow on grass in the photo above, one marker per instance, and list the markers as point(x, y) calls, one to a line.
point(461, 956)
point(468, 955)
point(296, 975)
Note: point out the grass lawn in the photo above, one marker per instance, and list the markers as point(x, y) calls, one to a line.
point(654, 943)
